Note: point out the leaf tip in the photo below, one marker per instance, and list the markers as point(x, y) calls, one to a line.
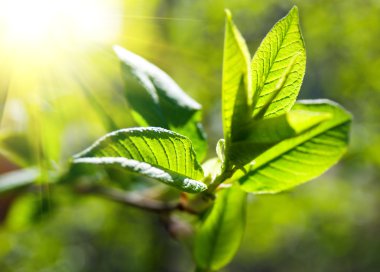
point(294, 10)
point(293, 13)
point(118, 50)
point(228, 14)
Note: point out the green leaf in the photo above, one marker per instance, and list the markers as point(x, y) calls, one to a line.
point(212, 168)
point(304, 157)
point(278, 68)
point(260, 135)
point(154, 152)
point(220, 149)
point(17, 148)
point(236, 86)
point(18, 178)
point(158, 101)
point(219, 235)
point(284, 126)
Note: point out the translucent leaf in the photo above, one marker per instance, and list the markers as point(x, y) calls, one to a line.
point(220, 149)
point(278, 68)
point(236, 87)
point(304, 157)
point(219, 235)
point(154, 152)
point(259, 136)
point(284, 126)
point(158, 101)
point(212, 168)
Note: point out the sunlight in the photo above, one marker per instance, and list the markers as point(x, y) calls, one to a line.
point(46, 47)
point(27, 23)
point(44, 40)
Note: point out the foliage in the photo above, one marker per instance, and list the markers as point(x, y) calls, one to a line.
point(271, 142)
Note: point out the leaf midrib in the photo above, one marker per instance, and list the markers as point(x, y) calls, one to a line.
point(271, 65)
point(151, 164)
point(301, 143)
point(215, 237)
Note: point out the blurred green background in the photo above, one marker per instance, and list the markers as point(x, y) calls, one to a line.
point(56, 106)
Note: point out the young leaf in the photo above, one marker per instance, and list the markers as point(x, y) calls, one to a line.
point(278, 68)
point(219, 235)
point(154, 152)
point(158, 101)
point(236, 87)
point(304, 157)
point(212, 168)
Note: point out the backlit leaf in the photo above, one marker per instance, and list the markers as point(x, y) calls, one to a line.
point(278, 68)
point(260, 135)
point(158, 101)
point(301, 158)
point(154, 152)
point(236, 87)
point(219, 235)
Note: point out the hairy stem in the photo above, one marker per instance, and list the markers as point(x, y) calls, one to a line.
point(219, 180)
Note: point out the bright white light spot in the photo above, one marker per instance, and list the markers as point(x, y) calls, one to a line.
point(58, 22)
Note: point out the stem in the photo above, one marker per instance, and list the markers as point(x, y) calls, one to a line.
point(219, 180)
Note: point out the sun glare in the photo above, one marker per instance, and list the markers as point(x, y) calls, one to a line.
point(48, 38)
point(46, 46)
point(28, 23)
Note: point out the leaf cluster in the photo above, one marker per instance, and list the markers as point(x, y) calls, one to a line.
point(271, 142)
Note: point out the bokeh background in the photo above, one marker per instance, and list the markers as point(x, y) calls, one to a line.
point(60, 94)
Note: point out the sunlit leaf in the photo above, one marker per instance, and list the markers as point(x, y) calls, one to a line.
point(158, 101)
point(212, 168)
point(301, 158)
point(260, 135)
point(236, 87)
point(219, 235)
point(154, 152)
point(278, 68)
point(284, 126)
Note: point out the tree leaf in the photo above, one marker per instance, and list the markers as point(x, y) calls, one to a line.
point(278, 68)
point(18, 178)
point(154, 152)
point(212, 168)
point(219, 235)
point(258, 136)
point(284, 126)
point(158, 101)
point(16, 147)
point(236, 86)
point(304, 157)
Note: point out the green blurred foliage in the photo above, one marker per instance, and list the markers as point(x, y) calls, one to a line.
point(330, 224)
